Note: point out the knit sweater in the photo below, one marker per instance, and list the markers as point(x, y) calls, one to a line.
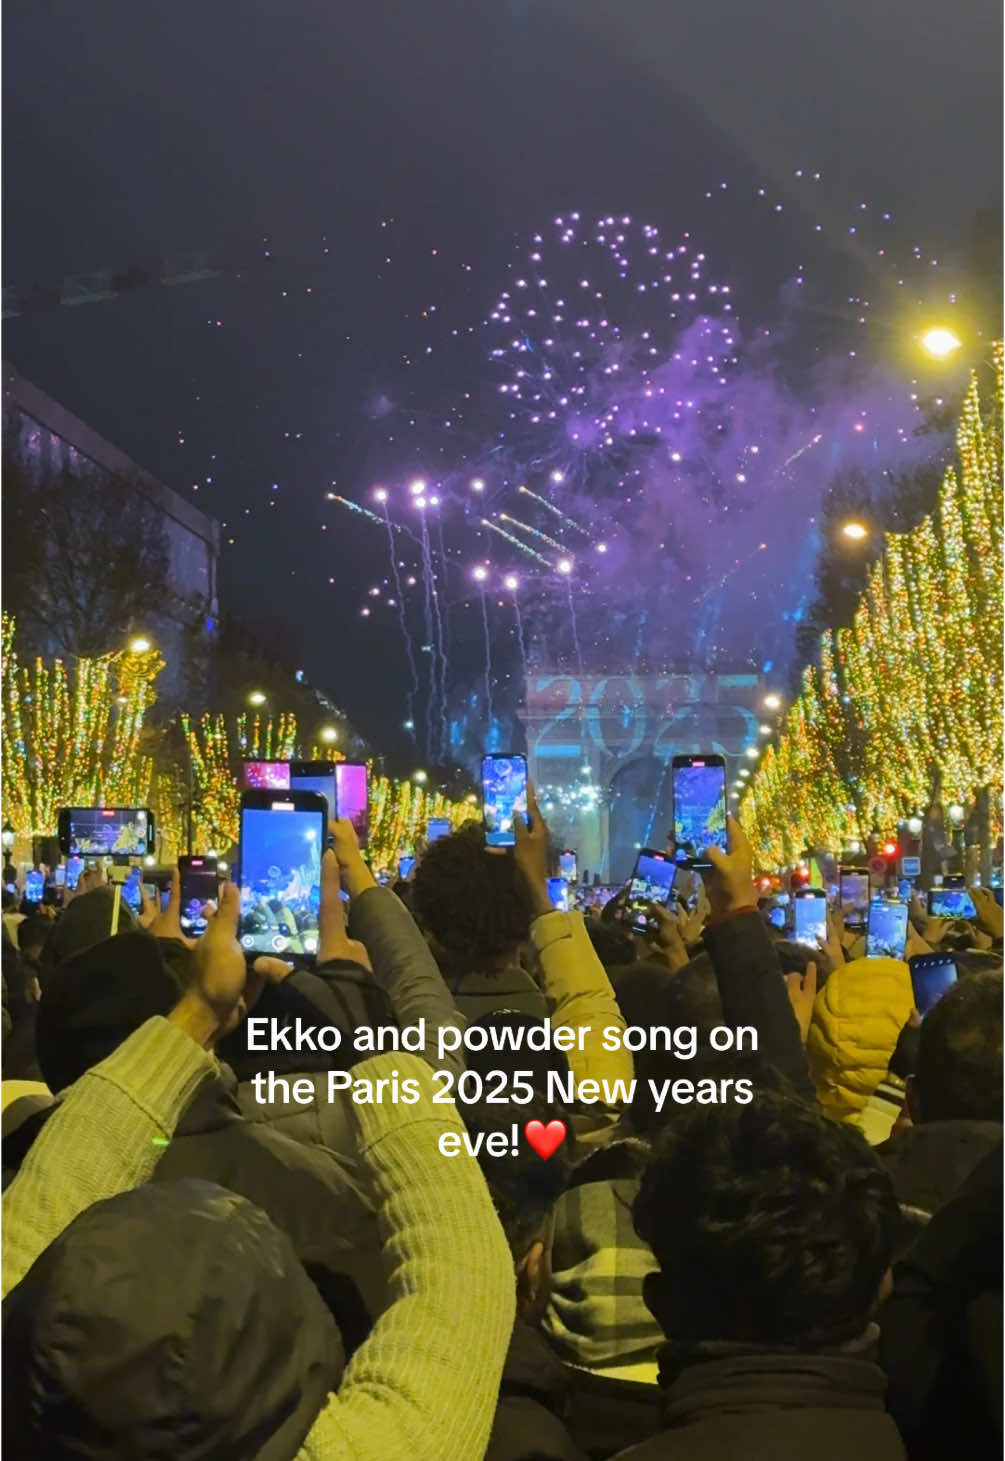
point(424, 1385)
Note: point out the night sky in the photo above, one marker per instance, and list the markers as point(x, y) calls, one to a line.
point(438, 135)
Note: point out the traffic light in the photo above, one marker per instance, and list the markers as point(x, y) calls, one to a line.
point(890, 851)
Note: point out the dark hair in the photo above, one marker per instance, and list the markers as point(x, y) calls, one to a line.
point(770, 1224)
point(475, 903)
point(960, 1053)
point(793, 958)
point(32, 933)
point(524, 1189)
point(612, 943)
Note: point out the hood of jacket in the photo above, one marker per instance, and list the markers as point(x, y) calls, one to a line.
point(928, 1164)
point(173, 1323)
point(857, 1020)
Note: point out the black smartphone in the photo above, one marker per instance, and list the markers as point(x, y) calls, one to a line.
point(106, 831)
point(34, 885)
point(887, 929)
point(652, 882)
point(699, 807)
point(950, 902)
point(200, 886)
point(267, 775)
point(405, 866)
point(853, 892)
point(998, 894)
point(352, 796)
point(131, 890)
point(810, 914)
point(932, 976)
point(283, 837)
point(504, 796)
point(567, 865)
point(316, 776)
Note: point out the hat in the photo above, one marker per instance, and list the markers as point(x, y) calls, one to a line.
point(173, 1323)
point(86, 920)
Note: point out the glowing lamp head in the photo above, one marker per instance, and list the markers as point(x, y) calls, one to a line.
point(328, 735)
point(140, 645)
point(940, 342)
point(477, 485)
point(564, 565)
point(751, 753)
point(421, 777)
point(957, 815)
point(557, 477)
point(512, 582)
point(914, 826)
point(257, 697)
point(417, 489)
point(772, 702)
point(380, 494)
point(479, 574)
point(855, 530)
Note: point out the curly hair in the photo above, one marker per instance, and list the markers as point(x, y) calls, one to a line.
point(474, 903)
point(770, 1225)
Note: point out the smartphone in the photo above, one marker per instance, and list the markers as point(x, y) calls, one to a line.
point(352, 796)
point(104, 831)
point(74, 867)
point(316, 776)
point(34, 885)
point(436, 828)
point(151, 891)
point(932, 976)
point(887, 929)
point(405, 866)
point(59, 876)
point(131, 890)
point(558, 892)
point(778, 917)
point(282, 840)
point(998, 894)
point(699, 808)
point(652, 882)
point(853, 886)
point(950, 903)
point(267, 775)
point(567, 865)
point(199, 886)
point(504, 797)
point(810, 912)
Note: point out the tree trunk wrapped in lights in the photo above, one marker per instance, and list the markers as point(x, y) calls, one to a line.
point(905, 706)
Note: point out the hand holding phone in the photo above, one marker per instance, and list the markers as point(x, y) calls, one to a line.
point(199, 893)
point(651, 883)
point(504, 797)
point(886, 935)
point(729, 880)
point(810, 913)
point(699, 808)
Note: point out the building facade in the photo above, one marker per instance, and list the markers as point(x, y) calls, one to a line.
point(599, 750)
point(47, 437)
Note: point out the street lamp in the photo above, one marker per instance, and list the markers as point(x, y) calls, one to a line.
point(257, 697)
point(7, 837)
point(420, 777)
point(328, 735)
point(914, 825)
point(752, 753)
point(940, 342)
point(140, 645)
point(772, 702)
point(957, 815)
point(855, 530)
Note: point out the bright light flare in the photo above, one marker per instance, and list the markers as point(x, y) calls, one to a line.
point(855, 530)
point(940, 342)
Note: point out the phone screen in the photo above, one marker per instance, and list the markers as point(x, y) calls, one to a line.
point(59, 876)
point(199, 887)
point(504, 796)
point(932, 976)
point(699, 807)
point(950, 903)
point(777, 917)
point(810, 919)
point(854, 886)
point(405, 866)
point(74, 867)
point(998, 894)
point(34, 886)
point(558, 892)
point(887, 933)
point(267, 775)
point(282, 841)
point(316, 776)
point(652, 882)
point(436, 828)
point(131, 891)
point(104, 831)
point(352, 796)
point(567, 865)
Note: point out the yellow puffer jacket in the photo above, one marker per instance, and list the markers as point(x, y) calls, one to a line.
point(857, 1020)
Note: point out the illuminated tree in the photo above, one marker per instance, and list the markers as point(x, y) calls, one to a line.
point(74, 737)
point(904, 707)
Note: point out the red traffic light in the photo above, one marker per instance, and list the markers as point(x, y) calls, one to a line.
point(890, 849)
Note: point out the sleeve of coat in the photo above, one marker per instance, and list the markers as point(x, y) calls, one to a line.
point(581, 994)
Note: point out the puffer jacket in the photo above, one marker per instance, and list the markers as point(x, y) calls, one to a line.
point(857, 1019)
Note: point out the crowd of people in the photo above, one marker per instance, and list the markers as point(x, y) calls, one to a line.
point(195, 1273)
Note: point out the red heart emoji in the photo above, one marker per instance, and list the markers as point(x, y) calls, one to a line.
point(545, 1140)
